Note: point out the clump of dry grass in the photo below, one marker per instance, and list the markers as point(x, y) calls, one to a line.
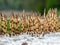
point(31, 24)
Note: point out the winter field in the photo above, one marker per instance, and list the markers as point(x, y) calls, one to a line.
point(51, 38)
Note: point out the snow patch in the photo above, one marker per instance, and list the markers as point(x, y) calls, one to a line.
point(48, 39)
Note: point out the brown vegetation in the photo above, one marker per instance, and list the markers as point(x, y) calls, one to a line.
point(31, 24)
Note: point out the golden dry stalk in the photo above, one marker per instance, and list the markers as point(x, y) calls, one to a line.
point(33, 23)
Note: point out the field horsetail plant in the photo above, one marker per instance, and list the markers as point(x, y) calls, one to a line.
point(30, 24)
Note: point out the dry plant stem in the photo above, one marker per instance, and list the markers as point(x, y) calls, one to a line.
point(31, 24)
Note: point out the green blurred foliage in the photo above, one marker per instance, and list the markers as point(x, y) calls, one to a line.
point(52, 4)
point(35, 5)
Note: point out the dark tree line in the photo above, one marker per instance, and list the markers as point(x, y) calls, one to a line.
point(35, 5)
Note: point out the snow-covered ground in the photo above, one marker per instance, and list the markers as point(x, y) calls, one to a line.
point(48, 39)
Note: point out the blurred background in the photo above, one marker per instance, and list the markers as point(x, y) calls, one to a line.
point(29, 5)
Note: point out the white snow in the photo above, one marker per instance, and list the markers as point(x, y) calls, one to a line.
point(48, 39)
